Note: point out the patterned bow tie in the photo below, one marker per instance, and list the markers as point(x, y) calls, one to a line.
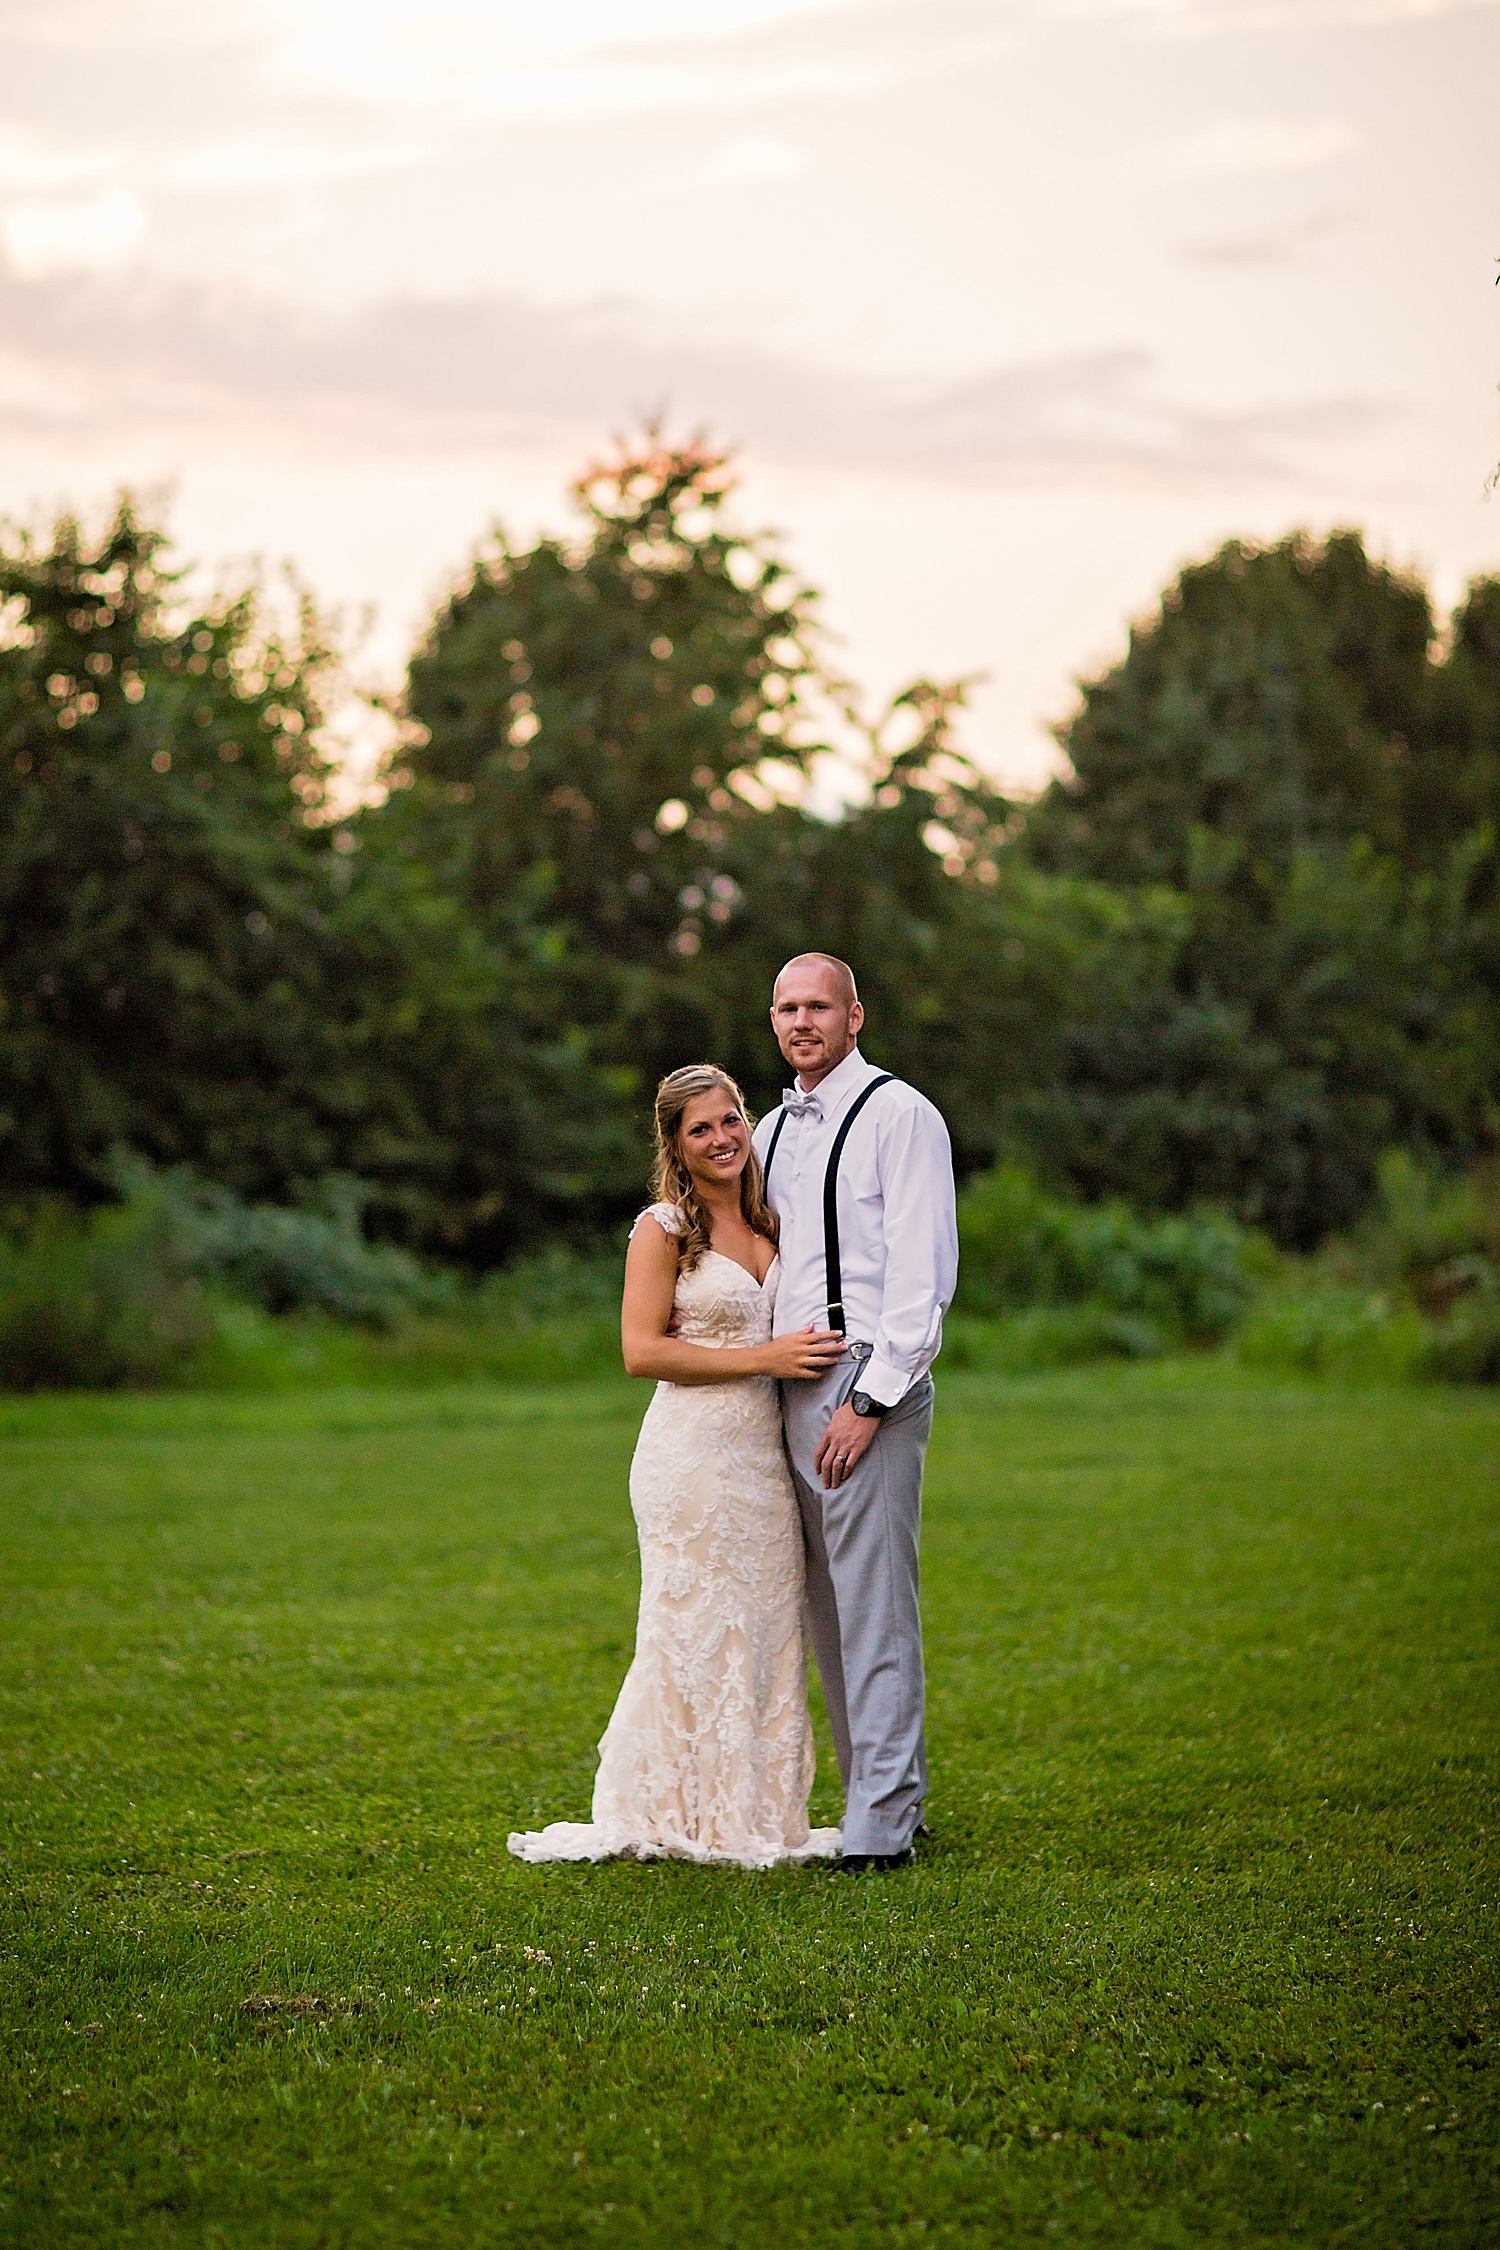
point(798, 1104)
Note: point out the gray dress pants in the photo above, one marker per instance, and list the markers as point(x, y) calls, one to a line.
point(862, 1587)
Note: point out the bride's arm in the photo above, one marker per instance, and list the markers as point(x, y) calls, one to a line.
point(651, 1285)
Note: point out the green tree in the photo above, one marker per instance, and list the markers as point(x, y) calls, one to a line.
point(199, 963)
point(587, 726)
point(1274, 697)
point(1251, 940)
point(164, 882)
point(588, 729)
point(583, 733)
point(594, 711)
point(1456, 783)
point(1282, 749)
point(971, 963)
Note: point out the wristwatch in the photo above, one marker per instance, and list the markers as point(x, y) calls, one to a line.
point(869, 1409)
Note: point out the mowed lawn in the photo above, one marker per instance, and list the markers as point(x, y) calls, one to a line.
point(1203, 1949)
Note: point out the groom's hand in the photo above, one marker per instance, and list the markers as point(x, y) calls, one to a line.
point(846, 1441)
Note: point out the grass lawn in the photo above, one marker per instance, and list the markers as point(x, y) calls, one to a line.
point(1203, 1950)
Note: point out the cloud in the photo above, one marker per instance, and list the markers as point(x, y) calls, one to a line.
point(1233, 146)
point(284, 158)
point(1202, 18)
point(165, 98)
point(379, 61)
point(73, 234)
point(406, 51)
point(38, 161)
point(92, 362)
point(752, 160)
point(1273, 247)
point(94, 27)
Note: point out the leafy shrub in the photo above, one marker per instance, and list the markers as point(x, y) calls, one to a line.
point(1464, 1346)
point(176, 1281)
point(557, 1285)
point(315, 1257)
point(553, 1318)
point(1414, 1291)
point(1184, 1278)
point(250, 1350)
point(95, 1302)
point(1314, 1326)
point(1026, 1343)
point(1431, 1234)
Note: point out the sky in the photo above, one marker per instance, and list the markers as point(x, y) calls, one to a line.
point(1011, 307)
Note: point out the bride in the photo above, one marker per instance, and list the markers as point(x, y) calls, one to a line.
point(709, 1754)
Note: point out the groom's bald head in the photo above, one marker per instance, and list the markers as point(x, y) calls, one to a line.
point(840, 971)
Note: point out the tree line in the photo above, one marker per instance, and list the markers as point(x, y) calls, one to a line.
point(1249, 941)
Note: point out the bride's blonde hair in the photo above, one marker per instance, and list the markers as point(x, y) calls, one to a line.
point(673, 1182)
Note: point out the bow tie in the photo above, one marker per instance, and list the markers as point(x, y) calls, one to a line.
point(798, 1104)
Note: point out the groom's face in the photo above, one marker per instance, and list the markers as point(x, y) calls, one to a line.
point(815, 1023)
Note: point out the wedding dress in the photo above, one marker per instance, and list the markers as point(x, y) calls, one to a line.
point(709, 1754)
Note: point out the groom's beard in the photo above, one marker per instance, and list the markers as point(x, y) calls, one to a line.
point(817, 1057)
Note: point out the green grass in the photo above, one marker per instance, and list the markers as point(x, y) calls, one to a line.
point(1202, 1952)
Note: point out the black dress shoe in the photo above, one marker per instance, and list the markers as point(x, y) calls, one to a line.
point(862, 1863)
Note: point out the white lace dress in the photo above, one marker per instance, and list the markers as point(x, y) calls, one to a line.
point(709, 1754)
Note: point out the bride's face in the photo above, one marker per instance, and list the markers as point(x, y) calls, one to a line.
point(714, 1139)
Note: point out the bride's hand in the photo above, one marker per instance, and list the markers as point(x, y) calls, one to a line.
point(804, 1353)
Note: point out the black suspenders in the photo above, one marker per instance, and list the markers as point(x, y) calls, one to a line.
point(834, 1270)
point(771, 1151)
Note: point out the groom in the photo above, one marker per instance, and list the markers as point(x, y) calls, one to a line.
point(860, 1176)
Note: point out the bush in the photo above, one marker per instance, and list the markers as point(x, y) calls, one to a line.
point(95, 1302)
point(1432, 1234)
point(1464, 1347)
point(184, 1281)
point(177, 1281)
point(547, 1319)
point(1184, 1279)
point(1027, 1343)
point(557, 1285)
point(1314, 1326)
point(313, 1258)
point(1414, 1291)
point(255, 1351)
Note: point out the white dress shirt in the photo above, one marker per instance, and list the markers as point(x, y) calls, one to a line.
point(898, 1230)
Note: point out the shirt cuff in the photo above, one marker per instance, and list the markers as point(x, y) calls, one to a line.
point(886, 1384)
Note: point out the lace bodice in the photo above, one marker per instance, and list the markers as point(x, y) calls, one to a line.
point(719, 1303)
